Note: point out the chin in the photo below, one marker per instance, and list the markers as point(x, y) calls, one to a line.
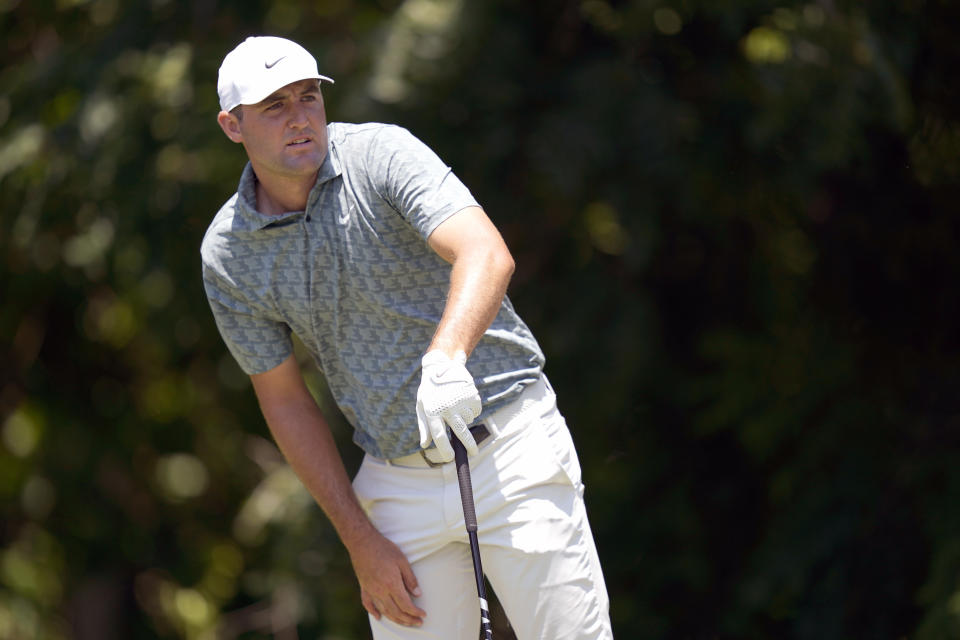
point(306, 165)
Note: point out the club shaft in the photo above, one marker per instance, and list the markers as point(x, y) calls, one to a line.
point(470, 520)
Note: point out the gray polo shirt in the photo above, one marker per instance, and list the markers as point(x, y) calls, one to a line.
point(354, 279)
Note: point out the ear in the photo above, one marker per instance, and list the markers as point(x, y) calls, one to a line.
point(230, 125)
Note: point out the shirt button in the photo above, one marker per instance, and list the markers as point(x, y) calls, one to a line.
point(309, 218)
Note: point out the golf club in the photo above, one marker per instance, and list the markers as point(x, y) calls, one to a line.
point(470, 519)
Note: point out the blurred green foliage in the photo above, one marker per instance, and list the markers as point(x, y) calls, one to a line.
point(735, 227)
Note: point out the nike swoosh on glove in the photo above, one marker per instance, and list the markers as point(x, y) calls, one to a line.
point(447, 397)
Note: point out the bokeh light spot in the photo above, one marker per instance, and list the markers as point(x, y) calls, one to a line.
point(21, 433)
point(667, 21)
point(766, 45)
point(605, 229)
point(182, 476)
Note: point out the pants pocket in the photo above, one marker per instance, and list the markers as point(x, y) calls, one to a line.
point(561, 446)
point(361, 483)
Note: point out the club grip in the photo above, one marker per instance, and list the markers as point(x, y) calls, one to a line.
point(466, 486)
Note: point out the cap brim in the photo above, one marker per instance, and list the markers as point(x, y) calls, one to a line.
point(262, 95)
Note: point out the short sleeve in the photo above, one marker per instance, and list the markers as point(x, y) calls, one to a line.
point(415, 181)
point(257, 343)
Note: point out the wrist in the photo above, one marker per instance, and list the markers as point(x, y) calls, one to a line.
point(440, 356)
point(360, 536)
point(434, 357)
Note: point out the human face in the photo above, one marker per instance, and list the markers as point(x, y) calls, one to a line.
point(285, 135)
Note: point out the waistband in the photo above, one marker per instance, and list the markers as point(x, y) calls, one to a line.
point(482, 432)
point(424, 457)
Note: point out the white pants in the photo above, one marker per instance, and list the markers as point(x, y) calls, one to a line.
point(535, 541)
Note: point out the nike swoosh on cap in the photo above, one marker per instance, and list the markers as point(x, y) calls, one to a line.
point(270, 65)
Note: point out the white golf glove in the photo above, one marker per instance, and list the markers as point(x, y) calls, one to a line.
point(447, 397)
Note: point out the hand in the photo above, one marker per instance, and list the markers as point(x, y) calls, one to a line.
point(386, 581)
point(447, 397)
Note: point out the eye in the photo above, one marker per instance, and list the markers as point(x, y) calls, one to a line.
point(275, 106)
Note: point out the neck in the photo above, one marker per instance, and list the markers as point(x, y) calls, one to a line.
point(279, 195)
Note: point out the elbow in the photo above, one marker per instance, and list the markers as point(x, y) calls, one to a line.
point(504, 263)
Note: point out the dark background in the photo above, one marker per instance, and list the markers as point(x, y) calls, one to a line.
point(735, 225)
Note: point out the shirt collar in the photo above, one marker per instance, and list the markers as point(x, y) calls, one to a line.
point(246, 205)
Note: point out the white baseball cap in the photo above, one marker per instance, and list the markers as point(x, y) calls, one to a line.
point(260, 65)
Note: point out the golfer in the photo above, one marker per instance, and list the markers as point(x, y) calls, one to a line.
point(359, 240)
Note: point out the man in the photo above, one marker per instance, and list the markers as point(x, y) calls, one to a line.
point(359, 240)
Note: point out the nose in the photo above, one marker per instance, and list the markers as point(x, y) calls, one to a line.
point(298, 116)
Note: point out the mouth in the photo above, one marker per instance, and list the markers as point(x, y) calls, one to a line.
point(299, 142)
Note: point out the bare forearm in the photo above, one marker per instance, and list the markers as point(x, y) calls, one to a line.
point(303, 436)
point(478, 283)
point(386, 579)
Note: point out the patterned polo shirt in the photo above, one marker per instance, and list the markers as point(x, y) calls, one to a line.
point(353, 277)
